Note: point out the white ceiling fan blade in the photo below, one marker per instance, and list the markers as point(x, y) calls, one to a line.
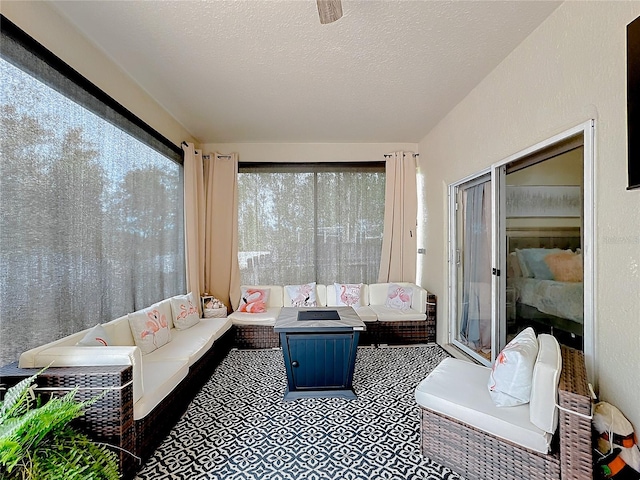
point(329, 10)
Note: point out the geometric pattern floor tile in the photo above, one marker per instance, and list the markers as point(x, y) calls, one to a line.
point(238, 426)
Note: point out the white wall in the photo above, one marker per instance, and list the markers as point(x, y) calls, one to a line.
point(51, 29)
point(571, 69)
point(308, 152)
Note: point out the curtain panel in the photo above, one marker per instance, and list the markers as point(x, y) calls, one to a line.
point(194, 215)
point(221, 268)
point(399, 243)
point(475, 327)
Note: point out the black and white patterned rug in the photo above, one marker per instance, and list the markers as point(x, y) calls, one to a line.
point(238, 426)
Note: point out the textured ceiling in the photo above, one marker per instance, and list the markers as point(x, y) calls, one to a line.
point(268, 71)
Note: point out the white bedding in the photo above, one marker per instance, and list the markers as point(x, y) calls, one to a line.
point(562, 299)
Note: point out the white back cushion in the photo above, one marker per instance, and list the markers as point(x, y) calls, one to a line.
point(119, 331)
point(378, 295)
point(332, 295)
point(544, 385)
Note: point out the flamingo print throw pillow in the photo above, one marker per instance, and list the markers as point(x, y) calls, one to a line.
point(302, 295)
point(348, 294)
point(398, 297)
point(512, 372)
point(150, 327)
point(96, 337)
point(184, 310)
point(254, 300)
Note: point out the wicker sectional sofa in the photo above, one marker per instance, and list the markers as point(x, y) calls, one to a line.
point(161, 383)
point(384, 325)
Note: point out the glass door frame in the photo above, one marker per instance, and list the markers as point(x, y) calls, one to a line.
point(498, 293)
point(454, 259)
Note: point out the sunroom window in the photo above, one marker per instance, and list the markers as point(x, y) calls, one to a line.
point(91, 223)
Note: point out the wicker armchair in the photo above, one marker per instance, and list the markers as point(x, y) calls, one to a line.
point(481, 456)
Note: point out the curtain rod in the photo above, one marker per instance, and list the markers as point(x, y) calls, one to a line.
point(205, 156)
point(387, 155)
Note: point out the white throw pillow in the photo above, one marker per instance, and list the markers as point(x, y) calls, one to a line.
point(348, 294)
point(302, 295)
point(510, 379)
point(150, 327)
point(96, 337)
point(185, 312)
point(398, 297)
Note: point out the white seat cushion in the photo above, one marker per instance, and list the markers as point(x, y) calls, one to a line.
point(458, 389)
point(192, 343)
point(386, 314)
point(266, 318)
point(159, 379)
point(366, 314)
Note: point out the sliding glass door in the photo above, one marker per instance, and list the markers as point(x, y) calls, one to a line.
point(520, 248)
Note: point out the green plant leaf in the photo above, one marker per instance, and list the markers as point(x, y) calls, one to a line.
point(40, 443)
point(15, 400)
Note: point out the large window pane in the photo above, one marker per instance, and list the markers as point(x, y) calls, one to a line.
point(302, 223)
point(91, 223)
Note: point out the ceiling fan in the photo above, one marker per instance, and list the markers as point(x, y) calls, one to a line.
point(329, 10)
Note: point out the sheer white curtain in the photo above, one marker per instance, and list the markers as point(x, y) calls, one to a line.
point(194, 215)
point(475, 322)
point(399, 243)
point(221, 270)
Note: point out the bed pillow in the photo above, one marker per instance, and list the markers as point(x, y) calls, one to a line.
point(96, 337)
point(535, 264)
point(185, 312)
point(302, 295)
point(566, 266)
point(513, 266)
point(348, 294)
point(512, 372)
point(150, 327)
point(522, 263)
point(254, 300)
point(398, 297)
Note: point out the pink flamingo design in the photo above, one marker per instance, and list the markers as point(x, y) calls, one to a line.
point(501, 359)
point(348, 297)
point(302, 299)
point(186, 310)
point(400, 298)
point(154, 324)
point(254, 301)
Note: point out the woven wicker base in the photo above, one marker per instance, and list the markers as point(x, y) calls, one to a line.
point(403, 332)
point(255, 337)
point(479, 456)
point(110, 419)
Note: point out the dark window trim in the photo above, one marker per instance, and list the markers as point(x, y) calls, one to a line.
point(315, 167)
point(19, 36)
